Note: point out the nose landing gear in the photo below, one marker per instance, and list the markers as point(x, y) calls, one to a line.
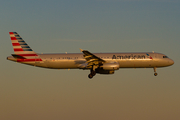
point(155, 73)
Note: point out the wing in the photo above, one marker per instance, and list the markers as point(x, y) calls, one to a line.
point(91, 58)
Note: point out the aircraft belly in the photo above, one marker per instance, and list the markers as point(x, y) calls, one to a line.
point(161, 63)
point(61, 64)
point(40, 64)
point(136, 63)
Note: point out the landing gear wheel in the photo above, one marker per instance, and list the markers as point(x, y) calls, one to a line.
point(93, 73)
point(155, 74)
point(90, 76)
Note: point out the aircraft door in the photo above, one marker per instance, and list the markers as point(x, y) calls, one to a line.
point(155, 55)
point(155, 59)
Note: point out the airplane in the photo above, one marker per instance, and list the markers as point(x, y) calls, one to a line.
point(101, 63)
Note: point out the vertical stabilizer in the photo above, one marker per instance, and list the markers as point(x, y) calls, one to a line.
point(19, 45)
point(23, 53)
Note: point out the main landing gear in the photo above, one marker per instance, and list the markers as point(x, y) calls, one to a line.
point(155, 73)
point(92, 74)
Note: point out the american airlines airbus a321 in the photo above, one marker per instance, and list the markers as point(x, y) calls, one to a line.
point(102, 63)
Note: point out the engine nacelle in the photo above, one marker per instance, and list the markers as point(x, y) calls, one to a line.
point(101, 71)
point(110, 66)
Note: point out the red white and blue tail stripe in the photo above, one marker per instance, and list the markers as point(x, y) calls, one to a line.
point(23, 53)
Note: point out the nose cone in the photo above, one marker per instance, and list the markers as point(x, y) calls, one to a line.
point(171, 62)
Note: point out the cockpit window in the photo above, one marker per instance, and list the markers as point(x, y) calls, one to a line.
point(165, 56)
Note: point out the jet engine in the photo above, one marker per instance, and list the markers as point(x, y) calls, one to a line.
point(101, 71)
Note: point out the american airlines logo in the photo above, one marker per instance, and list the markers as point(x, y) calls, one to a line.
point(128, 57)
point(131, 56)
point(149, 56)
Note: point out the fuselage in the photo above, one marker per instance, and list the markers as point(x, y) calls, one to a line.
point(76, 60)
point(101, 63)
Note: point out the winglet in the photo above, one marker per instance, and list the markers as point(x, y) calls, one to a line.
point(81, 50)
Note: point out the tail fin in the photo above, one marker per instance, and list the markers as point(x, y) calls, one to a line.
point(23, 53)
point(19, 45)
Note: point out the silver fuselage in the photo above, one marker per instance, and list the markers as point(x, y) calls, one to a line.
point(76, 60)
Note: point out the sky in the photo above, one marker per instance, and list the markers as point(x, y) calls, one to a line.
point(59, 26)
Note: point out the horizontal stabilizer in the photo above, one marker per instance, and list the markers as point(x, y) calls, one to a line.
point(18, 56)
